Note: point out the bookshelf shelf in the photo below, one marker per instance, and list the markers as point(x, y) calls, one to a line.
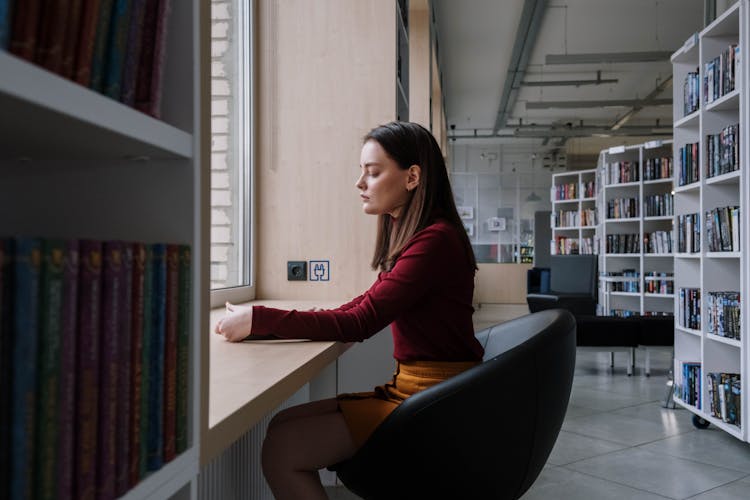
point(659, 255)
point(76, 122)
point(728, 178)
point(660, 295)
point(630, 219)
point(689, 121)
point(712, 53)
point(622, 185)
point(576, 210)
point(625, 294)
point(668, 180)
point(658, 278)
point(658, 217)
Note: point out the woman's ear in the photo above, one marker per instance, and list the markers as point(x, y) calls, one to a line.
point(413, 177)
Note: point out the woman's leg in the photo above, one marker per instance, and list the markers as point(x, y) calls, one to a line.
point(299, 442)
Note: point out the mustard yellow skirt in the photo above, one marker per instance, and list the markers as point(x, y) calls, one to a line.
point(364, 411)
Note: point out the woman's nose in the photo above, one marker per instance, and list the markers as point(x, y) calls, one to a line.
point(360, 182)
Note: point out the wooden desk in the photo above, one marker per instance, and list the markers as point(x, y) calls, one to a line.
point(247, 380)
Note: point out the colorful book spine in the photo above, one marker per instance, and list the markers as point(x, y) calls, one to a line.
point(67, 402)
point(23, 37)
point(116, 48)
point(146, 376)
point(27, 266)
point(98, 58)
point(133, 52)
point(50, 330)
point(124, 377)
point(6, 345)
point(183, 347)
point(6, 16)
point(148, 92)
point(70, 42)
point(52, 29)
point(155, 439)
point(88, 369)
point(136, 353)
point(170, 351)
point(86, 41)
point(108, 369)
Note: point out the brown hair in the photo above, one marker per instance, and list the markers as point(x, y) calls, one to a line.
point(411, 144)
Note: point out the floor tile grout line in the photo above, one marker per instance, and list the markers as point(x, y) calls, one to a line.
point(715, 488)
point(620, 484)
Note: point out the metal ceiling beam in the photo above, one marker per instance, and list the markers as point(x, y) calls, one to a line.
point(568, 133)
point(570, 83)
point(608, 57)
point(528, 28)
point(598, 104)
point(658, 90)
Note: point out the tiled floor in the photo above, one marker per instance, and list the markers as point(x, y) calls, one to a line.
point(618, 442)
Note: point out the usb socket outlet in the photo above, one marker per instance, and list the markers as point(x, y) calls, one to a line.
point(296, 270)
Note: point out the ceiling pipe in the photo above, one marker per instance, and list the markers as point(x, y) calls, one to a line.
point(570, 83)
point(526, 35)
point(651, 97)
point(634, 103)
point(608, 57)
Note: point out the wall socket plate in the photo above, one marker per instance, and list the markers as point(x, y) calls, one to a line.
point(296, 270)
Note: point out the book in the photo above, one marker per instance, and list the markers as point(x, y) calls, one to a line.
point(116, 47)
point(86, 39)
point(136, 356)
point(170, 350)
point(6, 16)
point(24, 31)
point(70, 41)
point(146, 375)
point(50, 331)
point(108, 368)
point(52, 28)
point(67, 401)
point(124, 376)
point(26, 268)
point(133, 52)
point(155, 394)
point(153, 53)
point(87, 382)
point(6, 358)
point(99, 54)
point(183, 347)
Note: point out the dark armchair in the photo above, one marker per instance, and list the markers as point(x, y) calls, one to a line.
point(573, 286)
point(485, 433)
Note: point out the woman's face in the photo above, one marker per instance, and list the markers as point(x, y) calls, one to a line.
point(383, 186)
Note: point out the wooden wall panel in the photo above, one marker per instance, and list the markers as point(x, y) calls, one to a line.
point(419, 62)
point(326, 76)
point(501, 284)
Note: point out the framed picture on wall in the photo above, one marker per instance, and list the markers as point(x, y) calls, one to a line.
point(469, 227)
point(496, 223)
point(466, 213)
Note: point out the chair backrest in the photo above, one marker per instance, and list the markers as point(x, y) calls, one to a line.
point(485, 433)
point(573, 274)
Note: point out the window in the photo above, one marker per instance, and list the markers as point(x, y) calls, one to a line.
point(231, 151)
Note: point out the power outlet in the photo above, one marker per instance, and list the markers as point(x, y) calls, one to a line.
point(296, 270)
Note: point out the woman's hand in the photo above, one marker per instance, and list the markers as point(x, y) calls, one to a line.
point(237, 324)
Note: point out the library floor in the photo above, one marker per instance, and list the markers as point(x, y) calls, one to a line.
point(619, 442)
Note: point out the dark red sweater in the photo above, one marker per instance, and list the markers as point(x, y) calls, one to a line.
point(426, 298)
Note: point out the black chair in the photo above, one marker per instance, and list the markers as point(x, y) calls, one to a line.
point(573, 286)
point(484, 434)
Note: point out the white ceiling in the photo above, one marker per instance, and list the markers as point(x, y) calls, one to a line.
point(476, 39)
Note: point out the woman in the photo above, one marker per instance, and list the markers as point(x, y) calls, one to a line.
point(424, 291)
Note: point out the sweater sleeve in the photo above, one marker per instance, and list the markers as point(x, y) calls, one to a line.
point(413, 275)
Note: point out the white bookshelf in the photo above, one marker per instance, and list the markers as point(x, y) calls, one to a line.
point(706, 270)
point(573, 204)
point(76, 164)
point(637, 298)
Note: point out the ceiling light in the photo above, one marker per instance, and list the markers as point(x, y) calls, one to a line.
point(533, 197)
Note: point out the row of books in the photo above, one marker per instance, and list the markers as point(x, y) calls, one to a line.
point(657, 168)
point(691, 90)
point(622, 286)
point(723, 314)
point(659, 286)
point(622, 208)
point(565, 218)
point(588, 217)
point(687, 383)
point(623, 313)
point(588, 188)
point(562, 245)
point(721, 74)
point(621, 172)
point(723, 151)
point(725, 397)
point(689, 166)
point(688, 233)
point(689, 308)
point(94, 340)
point(723, 229)
point(623, 243)
point(657, 242)
point(114, 47)
point(657, 205)
point(567, 191)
